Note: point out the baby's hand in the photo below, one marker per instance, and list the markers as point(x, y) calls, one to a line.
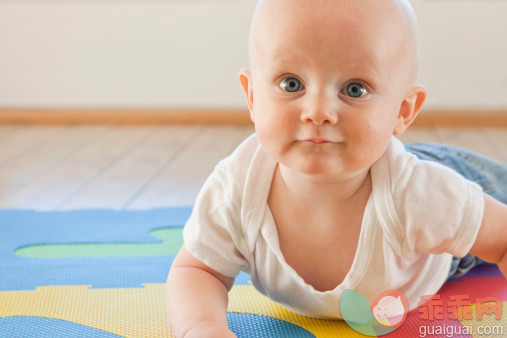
point(209, 330)
point(491, 241)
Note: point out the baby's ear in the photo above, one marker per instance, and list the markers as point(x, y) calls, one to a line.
point(245, 77)
point(409, 108)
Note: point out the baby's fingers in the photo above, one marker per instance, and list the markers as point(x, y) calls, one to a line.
point(209, 330)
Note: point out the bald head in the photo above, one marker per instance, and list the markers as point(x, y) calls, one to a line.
point(388, 26)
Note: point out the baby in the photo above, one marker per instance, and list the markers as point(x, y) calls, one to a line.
point(323, 197)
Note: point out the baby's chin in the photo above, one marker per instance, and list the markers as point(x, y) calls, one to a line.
point(321, 167)
point(330, 162)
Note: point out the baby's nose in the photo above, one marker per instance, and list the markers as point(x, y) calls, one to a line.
point(320, 109)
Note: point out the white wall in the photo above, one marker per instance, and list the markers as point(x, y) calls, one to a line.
point(463, 52)
point(186, 53)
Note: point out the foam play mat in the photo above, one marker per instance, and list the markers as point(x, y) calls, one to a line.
point(101, 273)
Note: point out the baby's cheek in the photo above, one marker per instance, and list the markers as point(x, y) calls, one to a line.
point(270, 126)
point(376, 132)
point(369, 144)
point(268, 138)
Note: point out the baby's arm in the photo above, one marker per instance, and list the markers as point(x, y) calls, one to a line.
point(197, 298)
point(491, 242)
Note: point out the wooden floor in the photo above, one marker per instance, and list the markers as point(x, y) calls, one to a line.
point(125, 167)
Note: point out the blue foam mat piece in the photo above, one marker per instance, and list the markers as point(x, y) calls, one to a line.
point(240, 323)
point(21, 327)
point(244, 325)
point(20, 228)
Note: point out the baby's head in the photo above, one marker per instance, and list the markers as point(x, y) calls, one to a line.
point(331, 80)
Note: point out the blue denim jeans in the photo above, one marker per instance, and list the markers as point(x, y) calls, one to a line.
point(489, 174)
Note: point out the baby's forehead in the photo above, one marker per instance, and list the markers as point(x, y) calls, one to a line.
point(291, 33)
point(368, 30)
point(330, 18)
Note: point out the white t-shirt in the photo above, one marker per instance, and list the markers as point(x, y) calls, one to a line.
point(418, 214)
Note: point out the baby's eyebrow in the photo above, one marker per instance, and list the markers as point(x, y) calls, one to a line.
point(371, 69)
point(367, 71)
point(370, 64)
point(281, 58)
point(365, 66)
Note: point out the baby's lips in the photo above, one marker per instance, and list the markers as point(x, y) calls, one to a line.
point(317, 140)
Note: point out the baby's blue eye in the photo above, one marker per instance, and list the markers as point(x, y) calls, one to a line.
point(355, 89)
point(291, 85)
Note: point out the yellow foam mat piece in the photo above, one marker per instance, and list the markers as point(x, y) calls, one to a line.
point(141, 312)
point(137, 312)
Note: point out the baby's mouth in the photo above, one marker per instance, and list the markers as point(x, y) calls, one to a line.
point(317, 140)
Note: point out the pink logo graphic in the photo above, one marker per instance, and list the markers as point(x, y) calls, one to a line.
point(390, 308)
